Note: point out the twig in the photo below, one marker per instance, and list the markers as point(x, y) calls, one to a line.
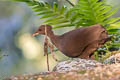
point(46, 46)
point(46, 41)
point(52, 51)
point(70, 3)
point(48, 63)
point(55, 50)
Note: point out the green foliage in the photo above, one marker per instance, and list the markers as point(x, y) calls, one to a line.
point(84, 13)
point(110, 48)
point(115, 41)
point(53, 15)
point(90, 12)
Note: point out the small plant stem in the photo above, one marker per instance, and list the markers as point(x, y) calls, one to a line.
point(70, 3)
point(48, 63)
point(46, 53)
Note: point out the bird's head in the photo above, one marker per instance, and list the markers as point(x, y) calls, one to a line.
point(42, 29)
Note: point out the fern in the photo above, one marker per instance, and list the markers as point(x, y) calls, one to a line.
point(53, 14)
point(84, 13)
point(90, 12)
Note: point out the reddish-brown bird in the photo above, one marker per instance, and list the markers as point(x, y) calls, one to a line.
point(80, 42)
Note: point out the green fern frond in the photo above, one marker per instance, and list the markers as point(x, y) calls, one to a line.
point(112, 20)
point(114, 27)
point(85, 13)
point(90, 12)
point(53, 15)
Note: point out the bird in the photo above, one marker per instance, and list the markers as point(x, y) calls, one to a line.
point(77, 43)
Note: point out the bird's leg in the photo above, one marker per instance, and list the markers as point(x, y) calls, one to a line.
point(91, 56)
point(89, 49)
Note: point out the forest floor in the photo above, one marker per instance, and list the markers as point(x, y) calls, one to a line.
point(102, 72)
point(105, 72)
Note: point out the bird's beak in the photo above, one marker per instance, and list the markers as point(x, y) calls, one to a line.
point(35, 34)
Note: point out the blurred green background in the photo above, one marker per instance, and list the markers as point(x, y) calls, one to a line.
point(21, 52)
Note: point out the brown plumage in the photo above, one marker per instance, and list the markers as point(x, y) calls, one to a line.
point(80, 42)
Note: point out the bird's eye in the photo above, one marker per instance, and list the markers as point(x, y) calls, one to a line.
point(39, 29)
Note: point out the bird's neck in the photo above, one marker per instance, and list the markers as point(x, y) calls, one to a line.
point(54, 38)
